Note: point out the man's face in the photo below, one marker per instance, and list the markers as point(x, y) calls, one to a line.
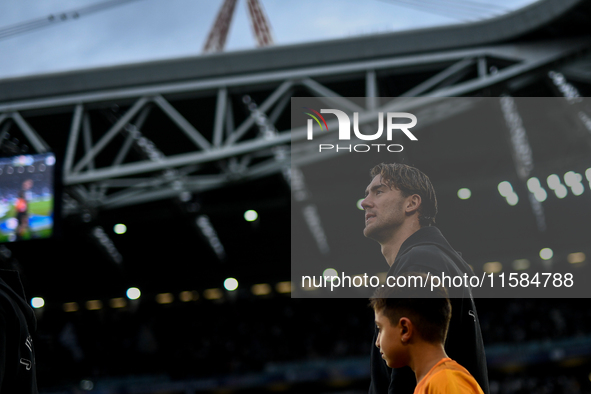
point(389, 342)
point(384, 210)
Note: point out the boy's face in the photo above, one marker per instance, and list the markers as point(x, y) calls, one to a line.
point(389, 341)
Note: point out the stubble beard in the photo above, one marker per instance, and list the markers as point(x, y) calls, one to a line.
point(381, 232)
point(374, 230)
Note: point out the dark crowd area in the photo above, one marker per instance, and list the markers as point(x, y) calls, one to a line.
point(201, 339)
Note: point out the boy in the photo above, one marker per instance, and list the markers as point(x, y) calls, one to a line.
point(412, 323)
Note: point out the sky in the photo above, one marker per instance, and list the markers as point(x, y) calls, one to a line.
point(147, 30)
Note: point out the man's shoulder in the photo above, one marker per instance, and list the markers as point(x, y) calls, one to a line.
point(427, 258)
point(427, 250)
point(427, 255)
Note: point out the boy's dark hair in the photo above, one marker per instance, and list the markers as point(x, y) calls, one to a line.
point(429, 310)
point(410, 180)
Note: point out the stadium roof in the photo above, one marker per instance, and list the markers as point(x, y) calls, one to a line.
point(541, 20)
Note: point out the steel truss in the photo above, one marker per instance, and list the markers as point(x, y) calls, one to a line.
point(160, 176)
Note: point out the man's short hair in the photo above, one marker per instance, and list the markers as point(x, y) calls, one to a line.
point(410, 180)
point(429, 310)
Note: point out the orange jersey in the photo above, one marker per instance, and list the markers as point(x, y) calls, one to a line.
point(21, 205)
point(447, 376)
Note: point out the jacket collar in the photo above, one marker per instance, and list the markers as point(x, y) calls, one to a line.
point(425, 235)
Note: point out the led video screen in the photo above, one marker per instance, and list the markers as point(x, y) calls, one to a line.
point(27, 197)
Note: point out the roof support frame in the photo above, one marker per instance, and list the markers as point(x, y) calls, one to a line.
point(234, 145)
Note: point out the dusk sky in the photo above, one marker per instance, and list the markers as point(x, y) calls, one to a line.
point(146, 30)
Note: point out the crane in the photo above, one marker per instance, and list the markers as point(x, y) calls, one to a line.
point(216, 40)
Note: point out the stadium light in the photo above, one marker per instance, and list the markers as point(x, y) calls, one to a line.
point(521, 264)
point(133, 293)
point(261, 289)
point(464, 193)
point(212, 294)
point(120, 228)
point(578, 189)
point(361, 200)
point(251, 215)
point(573, 180)
point(512, 199)
point(533, 184)
point(505, 188)
point(492, 267)
point(546, 254)
point(164, 298)
point(37, 302)
point(554, 184)
point(330, 272)
point(535, 187)
point(70, 307)
point(231, 284)
point(94, 305)
point(283, 287)
point(553, 181)
point(186, 296)
point(117, 303)
point(561, 191)
point(541, 195)
point(576, 258)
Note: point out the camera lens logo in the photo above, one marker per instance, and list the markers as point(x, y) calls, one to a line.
point(316, 119)
point(344, 130)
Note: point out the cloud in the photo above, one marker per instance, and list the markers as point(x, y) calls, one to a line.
point(154, 29)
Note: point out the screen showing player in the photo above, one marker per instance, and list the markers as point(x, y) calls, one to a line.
point(26, 197)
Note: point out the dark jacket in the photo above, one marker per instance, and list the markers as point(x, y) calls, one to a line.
point(428, 251)
point(17, 322)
